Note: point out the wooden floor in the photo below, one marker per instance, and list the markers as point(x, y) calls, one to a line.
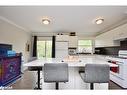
point(29, 78)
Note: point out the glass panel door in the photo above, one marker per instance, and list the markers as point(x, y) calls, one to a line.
point(44, 49)
point(48, 49)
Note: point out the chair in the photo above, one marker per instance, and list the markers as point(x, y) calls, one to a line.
point(95, 73)
point(56, 72)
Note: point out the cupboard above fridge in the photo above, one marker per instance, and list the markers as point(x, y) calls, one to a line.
point(72, 40)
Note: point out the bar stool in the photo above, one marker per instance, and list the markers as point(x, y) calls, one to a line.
point(95, 73)
point(56, 72)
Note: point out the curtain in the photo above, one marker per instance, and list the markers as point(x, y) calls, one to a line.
point(53, 46)
point(35, 47)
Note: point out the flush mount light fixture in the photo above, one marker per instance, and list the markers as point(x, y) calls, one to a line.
point(45, 21)
point(99, 21)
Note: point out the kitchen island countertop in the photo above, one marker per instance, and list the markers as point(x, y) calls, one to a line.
point(78, 63)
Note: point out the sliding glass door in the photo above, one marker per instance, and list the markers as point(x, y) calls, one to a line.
point(44, 49)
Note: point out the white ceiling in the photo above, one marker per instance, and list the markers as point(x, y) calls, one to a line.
point(66, 19)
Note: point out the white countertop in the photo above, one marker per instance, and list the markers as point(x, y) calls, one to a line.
point(80, 63)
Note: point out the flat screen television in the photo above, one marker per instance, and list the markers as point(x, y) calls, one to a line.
point(4, 48)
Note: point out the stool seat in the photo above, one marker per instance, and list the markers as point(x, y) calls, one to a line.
point(96, 73)
point(56, 72)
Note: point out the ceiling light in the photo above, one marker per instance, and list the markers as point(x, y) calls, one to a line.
point(46, 21)
point(99, 21)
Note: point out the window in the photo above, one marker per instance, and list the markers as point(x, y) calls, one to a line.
point(44, 49)
point(85, 46)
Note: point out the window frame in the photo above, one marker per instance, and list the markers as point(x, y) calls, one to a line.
point(91, 46)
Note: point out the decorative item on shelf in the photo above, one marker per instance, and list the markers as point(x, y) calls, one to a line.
point(72, 34)
point(27, 47)
point(59, 34)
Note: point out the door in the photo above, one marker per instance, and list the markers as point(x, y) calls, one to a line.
point(44, 49)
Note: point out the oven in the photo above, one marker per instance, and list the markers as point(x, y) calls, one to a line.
point(119, 74)
point(114, 69)
point(118, 71)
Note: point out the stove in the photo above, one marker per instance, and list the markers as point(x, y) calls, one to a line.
point(123, 54)
point(119, 74)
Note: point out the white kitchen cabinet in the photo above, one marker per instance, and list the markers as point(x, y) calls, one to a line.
point(73, 41)
point(121, 32)
point(62, 38)
point(105, 39)
point(110, 38)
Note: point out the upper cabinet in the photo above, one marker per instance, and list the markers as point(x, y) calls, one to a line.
point(73, 41)
point(112, 37)
point(62, 38)
point(105, 40)
point(120, 32)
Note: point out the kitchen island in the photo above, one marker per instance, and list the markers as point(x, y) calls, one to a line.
point(75, 65)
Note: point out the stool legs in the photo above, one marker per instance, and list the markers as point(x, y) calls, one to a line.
point(38, 80)
point(57, 85)
point(91, 86)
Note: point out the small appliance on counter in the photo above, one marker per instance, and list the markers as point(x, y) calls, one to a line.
point(72, 59)
point(72, 51)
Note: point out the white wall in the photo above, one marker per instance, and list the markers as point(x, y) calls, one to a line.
point(10, 34)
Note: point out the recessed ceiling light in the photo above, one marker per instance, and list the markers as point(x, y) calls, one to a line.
point(45, 21)
point(99, 21)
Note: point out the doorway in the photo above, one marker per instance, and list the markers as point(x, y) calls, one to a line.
point(44, 49)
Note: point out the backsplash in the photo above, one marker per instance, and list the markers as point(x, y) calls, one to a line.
point(113, 50)
point(107, 50)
